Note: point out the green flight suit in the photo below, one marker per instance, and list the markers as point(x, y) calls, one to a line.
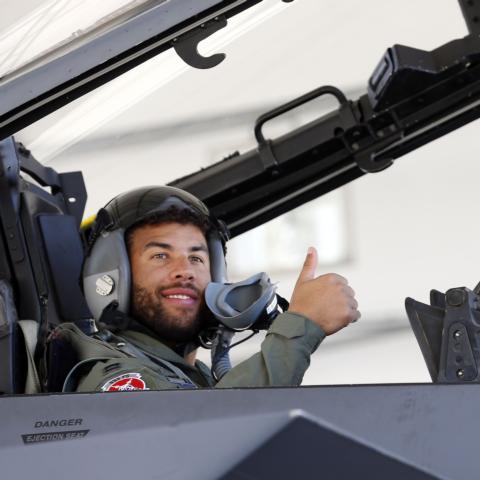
point(137, 360)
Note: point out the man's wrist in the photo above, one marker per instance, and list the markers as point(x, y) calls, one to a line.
point(295, 325)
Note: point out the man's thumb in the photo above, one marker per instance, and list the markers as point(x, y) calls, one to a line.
point(310, 266)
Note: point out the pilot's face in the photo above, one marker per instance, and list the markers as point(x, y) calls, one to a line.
point(170, 271)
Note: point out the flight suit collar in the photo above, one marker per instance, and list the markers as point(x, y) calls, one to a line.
point(150, 342)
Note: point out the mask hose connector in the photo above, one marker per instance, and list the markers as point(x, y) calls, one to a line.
point(221, 363)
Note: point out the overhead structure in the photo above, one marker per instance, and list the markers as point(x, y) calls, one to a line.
point(88, 62)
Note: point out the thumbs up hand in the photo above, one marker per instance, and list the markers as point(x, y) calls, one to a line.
point(326, 300)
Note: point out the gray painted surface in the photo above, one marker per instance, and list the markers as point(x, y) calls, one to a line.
point(305, 448)
point(200, 434)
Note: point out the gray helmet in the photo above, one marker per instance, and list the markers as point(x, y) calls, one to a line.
point(106, 271)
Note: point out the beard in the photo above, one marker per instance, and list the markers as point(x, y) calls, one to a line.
point(178, 325)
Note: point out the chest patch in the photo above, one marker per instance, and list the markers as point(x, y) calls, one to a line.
point(125, 383)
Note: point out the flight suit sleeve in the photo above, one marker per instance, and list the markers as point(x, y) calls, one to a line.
point(284, 356)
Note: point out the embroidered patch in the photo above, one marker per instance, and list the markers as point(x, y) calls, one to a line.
point(125, 383)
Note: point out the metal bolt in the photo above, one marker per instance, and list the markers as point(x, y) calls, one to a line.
point(104, 285)
point(460, 373)
point(457, 334)
point(456, 297)
point(121, 344)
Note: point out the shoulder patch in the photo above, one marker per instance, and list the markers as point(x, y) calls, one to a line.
point(125, 383)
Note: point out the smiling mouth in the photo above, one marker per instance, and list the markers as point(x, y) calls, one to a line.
point(180, 296)
point(180, 300)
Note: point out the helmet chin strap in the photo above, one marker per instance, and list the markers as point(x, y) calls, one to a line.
point(113, 319)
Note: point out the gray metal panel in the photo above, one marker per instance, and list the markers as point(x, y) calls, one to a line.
point(431, 426)
point(305, 448)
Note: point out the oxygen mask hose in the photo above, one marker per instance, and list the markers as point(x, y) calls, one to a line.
point(249, 304)
point(220, 355)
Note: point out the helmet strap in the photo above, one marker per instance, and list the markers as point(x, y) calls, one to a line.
point(113, 319)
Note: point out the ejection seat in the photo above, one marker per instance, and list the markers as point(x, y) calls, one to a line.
point(40, 262)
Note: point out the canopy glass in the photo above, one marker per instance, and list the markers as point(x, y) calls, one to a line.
point(31, 31)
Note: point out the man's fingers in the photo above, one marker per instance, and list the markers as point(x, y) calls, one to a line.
point(309, 266)
point(357, 316)
point(349, 290)
point(353, 304)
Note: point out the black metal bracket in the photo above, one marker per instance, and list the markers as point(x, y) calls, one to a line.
point(448, 333)
point(471, 14)
point(69, 187)
point(45, 176)
point(74, 194)
point(186, 45)
point(366, 145)
point(265, 146)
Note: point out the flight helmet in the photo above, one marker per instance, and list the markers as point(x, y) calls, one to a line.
point(106, 271)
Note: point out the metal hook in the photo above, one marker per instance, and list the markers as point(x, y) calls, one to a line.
point(186, 46)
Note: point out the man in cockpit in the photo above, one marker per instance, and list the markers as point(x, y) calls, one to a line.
point(153, 253)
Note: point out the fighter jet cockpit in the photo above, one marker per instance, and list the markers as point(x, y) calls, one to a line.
point(278, 126)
